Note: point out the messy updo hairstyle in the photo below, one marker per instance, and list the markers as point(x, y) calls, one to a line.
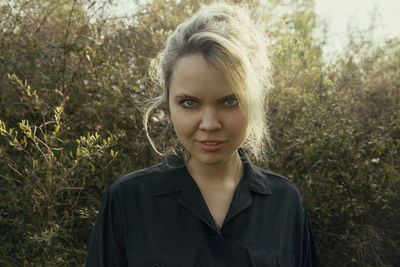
point(232, 43)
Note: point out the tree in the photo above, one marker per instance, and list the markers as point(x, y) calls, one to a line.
point(73, 82)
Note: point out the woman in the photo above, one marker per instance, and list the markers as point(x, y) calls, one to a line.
point(206, 204)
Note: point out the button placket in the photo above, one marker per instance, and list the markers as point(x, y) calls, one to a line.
point(213, 237)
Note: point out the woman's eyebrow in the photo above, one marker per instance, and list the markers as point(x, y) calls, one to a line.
point(229, 96)
point(183, 95)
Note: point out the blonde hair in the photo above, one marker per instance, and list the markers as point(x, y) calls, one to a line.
point(231, 42)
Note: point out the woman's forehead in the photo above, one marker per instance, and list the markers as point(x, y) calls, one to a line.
point(193, 75)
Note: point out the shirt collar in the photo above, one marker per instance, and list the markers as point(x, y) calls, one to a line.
point(173, 177)
point(257, 179)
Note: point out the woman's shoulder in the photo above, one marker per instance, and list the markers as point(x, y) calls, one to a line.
point(136, 178)
point(277, 178)
point(276, 183)
point(280, 190)
point(151, 179)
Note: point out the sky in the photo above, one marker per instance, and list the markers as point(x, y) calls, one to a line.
point(359, 13)
point(339, 13)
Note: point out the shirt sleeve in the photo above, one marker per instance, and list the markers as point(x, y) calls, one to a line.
point(309, 257)
point(106, 246)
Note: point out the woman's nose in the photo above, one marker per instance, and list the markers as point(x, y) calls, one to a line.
point(210, 120)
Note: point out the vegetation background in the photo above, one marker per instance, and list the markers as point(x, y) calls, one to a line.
point(72, 83)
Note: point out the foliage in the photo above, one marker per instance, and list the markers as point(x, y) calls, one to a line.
point(72, 85)
point(337, 135)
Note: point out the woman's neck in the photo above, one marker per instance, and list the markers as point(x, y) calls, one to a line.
point(231, 170)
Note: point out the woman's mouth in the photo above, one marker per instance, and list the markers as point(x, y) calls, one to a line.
point(211, 145)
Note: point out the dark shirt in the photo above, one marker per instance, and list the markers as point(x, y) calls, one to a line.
point(158, 217)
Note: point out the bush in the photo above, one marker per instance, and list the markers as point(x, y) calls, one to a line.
point(72, 85)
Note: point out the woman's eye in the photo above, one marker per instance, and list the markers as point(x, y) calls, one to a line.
point(188, 103)
point(231, 101)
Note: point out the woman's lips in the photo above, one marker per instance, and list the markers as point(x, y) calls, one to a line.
point(211, 145)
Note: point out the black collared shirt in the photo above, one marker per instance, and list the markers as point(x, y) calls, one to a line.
point(158, 217)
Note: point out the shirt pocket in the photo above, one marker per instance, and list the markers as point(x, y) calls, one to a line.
point(268, 257)
point(162, 257)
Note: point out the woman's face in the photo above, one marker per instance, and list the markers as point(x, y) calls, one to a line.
point(205, 112)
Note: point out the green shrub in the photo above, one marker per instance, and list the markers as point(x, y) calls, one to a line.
point(72, 87)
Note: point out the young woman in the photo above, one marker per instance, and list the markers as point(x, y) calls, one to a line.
point(207, 204)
